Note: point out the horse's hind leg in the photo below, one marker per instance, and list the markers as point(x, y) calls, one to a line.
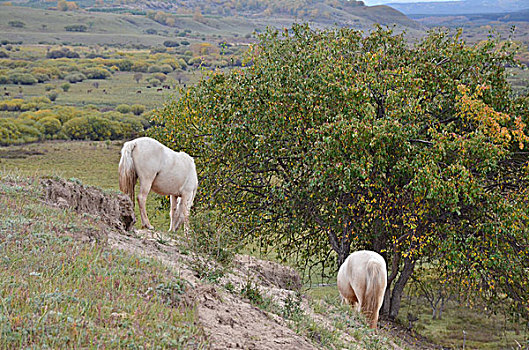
point(145, 188)
point(172, 213)
point(347, 292)
point(182, 212)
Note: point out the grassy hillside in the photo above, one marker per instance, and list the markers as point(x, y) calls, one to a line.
point(115, 28)
point(71, 281)
point(62, 287)
point(48, 26)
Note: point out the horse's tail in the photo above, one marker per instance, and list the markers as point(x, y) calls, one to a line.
point(127, 171)
point(376, 281)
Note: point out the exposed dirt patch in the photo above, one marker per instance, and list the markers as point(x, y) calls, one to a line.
point(270, 273)
point(114, 209)
point(229, 321)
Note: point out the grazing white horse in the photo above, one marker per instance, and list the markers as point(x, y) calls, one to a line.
point(362, 281)
point(163, 171)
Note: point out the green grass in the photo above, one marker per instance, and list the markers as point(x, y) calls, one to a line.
point(519, 79)
point(94, 163)
point(483, 329)
point(119, 89)
point(58, 292)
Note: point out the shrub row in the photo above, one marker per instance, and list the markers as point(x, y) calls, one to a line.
point(70, 123)
point(18, 104)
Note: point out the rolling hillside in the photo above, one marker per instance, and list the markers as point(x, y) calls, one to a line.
point(151, 22)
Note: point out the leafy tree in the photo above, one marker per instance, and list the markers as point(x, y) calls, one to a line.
point(330, 141)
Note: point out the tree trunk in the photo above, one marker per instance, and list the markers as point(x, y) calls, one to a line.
point(386, 305)
point(396, 293)
point(342, 246)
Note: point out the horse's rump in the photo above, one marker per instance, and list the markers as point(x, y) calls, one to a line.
point(127, 171)
point(363, 278)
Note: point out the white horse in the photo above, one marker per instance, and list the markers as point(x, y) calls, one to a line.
point(362, 281)
point(163, 171)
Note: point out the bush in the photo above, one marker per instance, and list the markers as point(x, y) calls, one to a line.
point(154, 82)
point(66, 113)
point(124, 65)
point(51, 125)
point(154, 69)
point(16, 131)
point(11, 105)
point(52, 95)
point(65, 87)
point(62, 53)
point(17, 24)
point(160, 49)
point(137, 109)
point(195, 61)
point(29, 133)
point(4, 79)
point(170, 43)
point(76, 28)
point(96, 73)
point(88, 127)
point(41, 77)
point(3, 54)
point(123, 108)
point(140, 66)
point(166, 68)
point(75, 77)
point(160, 76)
point(22, 78)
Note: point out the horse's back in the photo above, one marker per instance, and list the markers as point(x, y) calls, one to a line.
point(356, 269)
point(171, 172)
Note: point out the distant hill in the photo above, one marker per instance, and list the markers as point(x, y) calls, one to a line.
point(476, 19)
point(461, 7)
point(253, 13)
